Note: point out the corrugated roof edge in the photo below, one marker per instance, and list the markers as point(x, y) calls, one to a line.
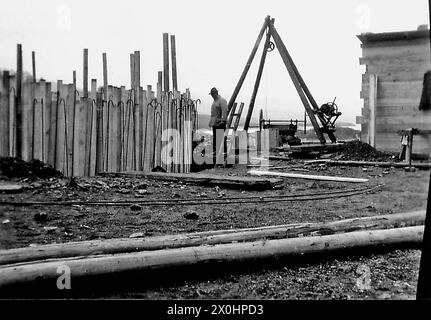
point(393, 36)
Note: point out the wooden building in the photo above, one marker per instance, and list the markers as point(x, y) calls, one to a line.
point(391, 88)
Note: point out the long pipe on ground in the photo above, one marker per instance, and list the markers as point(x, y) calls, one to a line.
point(263, 249)
point(124, 245)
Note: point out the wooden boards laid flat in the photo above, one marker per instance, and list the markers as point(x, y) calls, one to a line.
point(305, 176)
point(235, 182)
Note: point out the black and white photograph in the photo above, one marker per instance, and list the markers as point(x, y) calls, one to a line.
point(215, 158)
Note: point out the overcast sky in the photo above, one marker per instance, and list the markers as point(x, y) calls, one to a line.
point(213, 39)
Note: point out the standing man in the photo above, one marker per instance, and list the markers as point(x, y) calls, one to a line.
point(218, 123)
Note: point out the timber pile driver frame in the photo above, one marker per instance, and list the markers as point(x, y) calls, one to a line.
point(327, 114)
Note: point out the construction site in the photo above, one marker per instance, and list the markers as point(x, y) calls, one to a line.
point(122, 191)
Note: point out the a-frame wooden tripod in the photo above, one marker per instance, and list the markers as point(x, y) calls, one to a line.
point(307, 99)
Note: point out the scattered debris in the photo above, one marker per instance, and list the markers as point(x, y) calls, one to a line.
point(141, 193)
point(158, 169)
point(135, 207)
point(137, 235)
point(50, 229)
point(358, 150)
point(191, 215)
point(10, 187)
point(14, 167)
point(41, 216)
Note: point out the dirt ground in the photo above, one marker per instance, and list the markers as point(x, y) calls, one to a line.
point(393, 274)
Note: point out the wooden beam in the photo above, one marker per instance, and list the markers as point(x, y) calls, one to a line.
point(295, 79)
point(74, 78)
point(248, 64)
point(222, 253)
point(124, 245)
point(85, 73)
point(372, 106)
point(5, 118)
point(305, 176)
point(166, 62)
point(174, 64)
point(18, 105)
point(204, 179)
point(105, 77)
point(369, 163)
point(258, 77)
point(33, 63)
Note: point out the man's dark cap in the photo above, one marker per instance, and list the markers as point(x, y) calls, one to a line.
point(213, 90)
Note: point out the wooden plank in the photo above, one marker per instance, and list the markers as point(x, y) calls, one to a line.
point(165, 62)
point(144, 101)
point(306, 176)
point(395, 48)
point(139, 133)
point(158, 127)
point(4, 111)
point(397, 90)
point(47, 106)
point(20, 150)
point(124, 245)
point(176, 137)
point(370, 164)
point(33, 63)
point(70, 127)
point(118, 128)
point(372, 106)
point(92, 129)
point(80, 127)
point(26, 128)
point(113, 128)
point(150, 136)
point(85, 73)
point(174, 64)
point(39, 122)
point(99, 133)
point(61, 141)
point(225, 181)
point(124, 128)
point(12, 116)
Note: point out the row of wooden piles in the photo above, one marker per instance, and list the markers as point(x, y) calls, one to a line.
point(105, 129)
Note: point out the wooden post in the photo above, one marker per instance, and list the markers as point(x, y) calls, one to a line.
point(4, 119)
point(132, 68)
point(74, 78)
point(139, 133)
point(256, 84)
point(166, 62)
point(18, 105)
point(174, 64)
point(105, 77)
point(248, 64)
point(85, 73)
point(372, 106)
point(295, 78)
point(33, 62)
point(105, 137)
point(160, 77)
